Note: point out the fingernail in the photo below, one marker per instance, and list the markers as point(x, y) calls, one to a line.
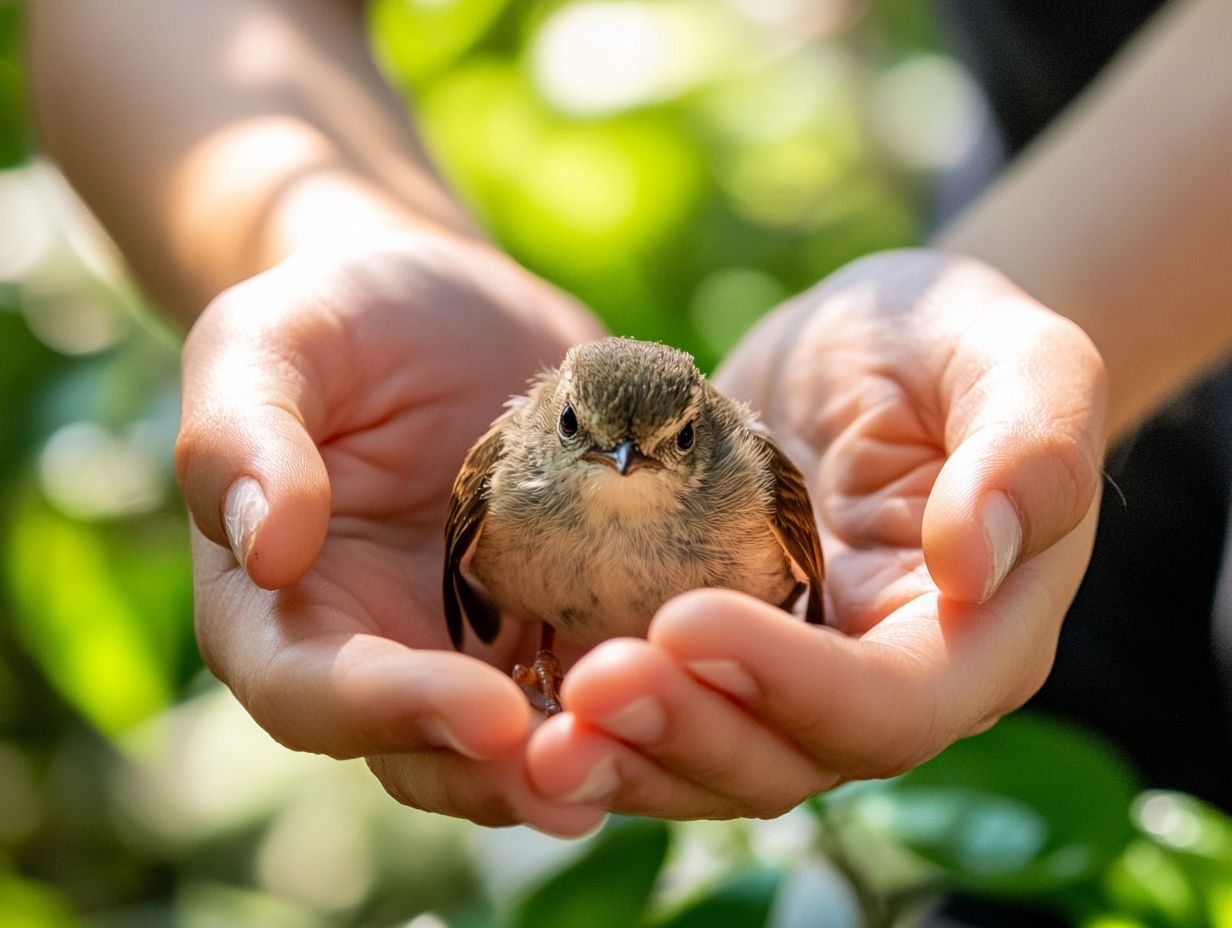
point(601, 783)
point(243, 513)
point(727, 676)
point(640, 722)
point(438, 734)
point(1004, 533)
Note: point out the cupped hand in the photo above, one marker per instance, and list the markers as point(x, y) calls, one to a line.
point(328, 403)
point(952, 431)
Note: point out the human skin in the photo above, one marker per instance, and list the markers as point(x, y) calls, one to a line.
point(912, 387)
point(950, 423)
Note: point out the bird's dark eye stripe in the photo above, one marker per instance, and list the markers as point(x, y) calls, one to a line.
point(568, 420)
point(684, 441)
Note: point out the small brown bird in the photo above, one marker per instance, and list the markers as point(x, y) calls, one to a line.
point(620, 480)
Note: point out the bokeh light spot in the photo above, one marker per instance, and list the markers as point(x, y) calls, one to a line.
point(592, 58)
point(927, 111)
point(88, 472)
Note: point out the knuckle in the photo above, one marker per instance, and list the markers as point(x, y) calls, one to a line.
point(1069, 444)
point(1067, 465)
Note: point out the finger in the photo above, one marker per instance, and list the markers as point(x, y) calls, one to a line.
point(318, 682)
point(844, 704)
point(351, 694)
point(573, 762)
point(1024, 400)
point(634, 691)
point(245, 456)
point(492, 793)
point(930, 673)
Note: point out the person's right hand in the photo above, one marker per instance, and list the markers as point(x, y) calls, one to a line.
point(951, 428)
point(328, 404)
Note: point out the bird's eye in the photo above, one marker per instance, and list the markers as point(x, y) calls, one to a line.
point(684, 441)
point(568, 421)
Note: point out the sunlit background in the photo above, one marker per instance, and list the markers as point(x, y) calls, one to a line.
point(681, 165)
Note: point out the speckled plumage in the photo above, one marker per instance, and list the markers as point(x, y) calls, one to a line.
point(544, 527)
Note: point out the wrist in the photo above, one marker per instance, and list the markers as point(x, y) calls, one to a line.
point(246, 200)
point(326, 209)
point(437, 275)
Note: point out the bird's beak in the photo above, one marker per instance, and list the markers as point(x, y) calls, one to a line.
point(625, 457)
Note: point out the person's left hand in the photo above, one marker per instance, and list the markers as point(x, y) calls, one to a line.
point(952, 431)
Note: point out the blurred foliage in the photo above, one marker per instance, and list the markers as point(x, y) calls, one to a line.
point(14, 137)
point(682, 208)
point(608, 887)
point(681, 165)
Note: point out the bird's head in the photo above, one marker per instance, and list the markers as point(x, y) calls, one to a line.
point(629, 407)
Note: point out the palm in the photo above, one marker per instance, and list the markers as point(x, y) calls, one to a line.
point(388, 361)
point(884, 380)
point(871, 484)
point(871, 452)
point(873, 509)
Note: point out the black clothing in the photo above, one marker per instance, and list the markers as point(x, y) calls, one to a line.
point(1033, 57)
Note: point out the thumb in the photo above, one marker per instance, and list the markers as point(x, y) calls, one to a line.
point(1026, 434)
point(245, 457)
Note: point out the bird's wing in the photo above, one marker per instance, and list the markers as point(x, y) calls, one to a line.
point(468, 506)
point(793, 523)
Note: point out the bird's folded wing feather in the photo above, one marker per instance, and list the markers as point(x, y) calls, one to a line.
point(795, 526)
point(468, 506)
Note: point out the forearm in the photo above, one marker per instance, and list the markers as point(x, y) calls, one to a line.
point(212, 139)
point(1121, 216)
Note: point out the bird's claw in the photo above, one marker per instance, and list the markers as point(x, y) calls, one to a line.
point(543, 679)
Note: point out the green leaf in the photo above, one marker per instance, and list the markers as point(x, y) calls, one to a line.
point(608, 887)
point(744, 901)
point(1030, 807)
point(1180, 871)
point(1150, 883)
